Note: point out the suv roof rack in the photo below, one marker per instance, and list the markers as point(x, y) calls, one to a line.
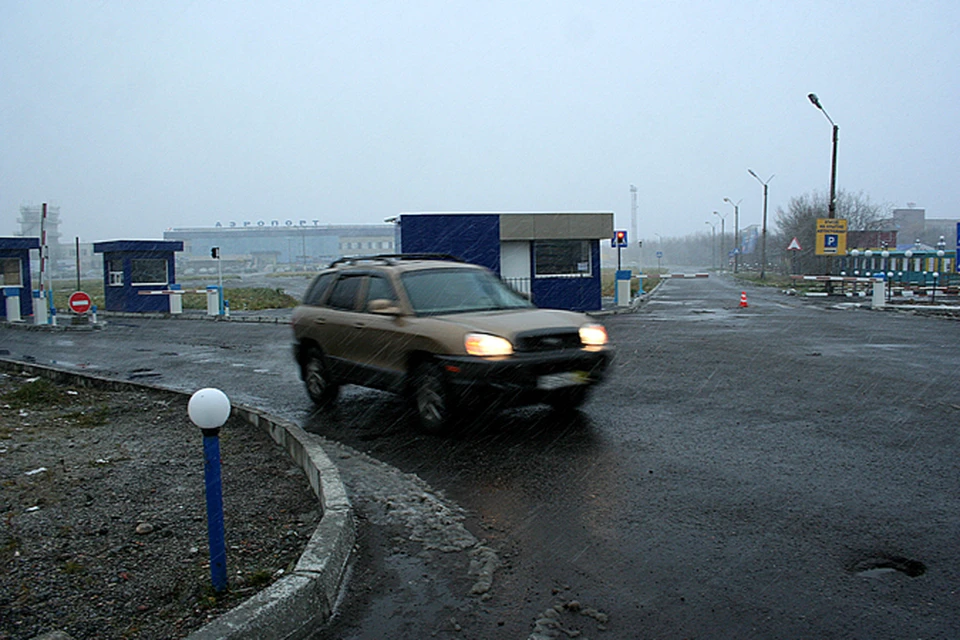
point(393, 258)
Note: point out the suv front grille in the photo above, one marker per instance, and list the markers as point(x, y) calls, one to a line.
point(550, 340)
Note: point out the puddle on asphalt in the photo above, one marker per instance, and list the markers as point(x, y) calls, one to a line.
point(885, 566)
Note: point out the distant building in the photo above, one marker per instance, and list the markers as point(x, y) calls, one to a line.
point(30, 223)
point(281, 244)
point(912, 226)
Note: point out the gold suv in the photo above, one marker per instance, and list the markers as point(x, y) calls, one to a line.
point(446, 334)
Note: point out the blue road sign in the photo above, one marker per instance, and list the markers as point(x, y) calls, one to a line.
point(831, 240)
point(659, 254)
point(956, 257)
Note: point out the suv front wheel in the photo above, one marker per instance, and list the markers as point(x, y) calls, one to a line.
point(430, 399)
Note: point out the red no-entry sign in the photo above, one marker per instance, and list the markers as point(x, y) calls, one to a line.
point(79, 302)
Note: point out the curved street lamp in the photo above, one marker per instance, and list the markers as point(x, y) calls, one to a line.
point(833, 165)
point(722, 231)
point(713, 244)
point(736, 232)
point(763, 237)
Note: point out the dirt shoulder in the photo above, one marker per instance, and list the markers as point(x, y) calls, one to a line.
point(103, 514)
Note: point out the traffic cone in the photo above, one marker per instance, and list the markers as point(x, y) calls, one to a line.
point(743, 298)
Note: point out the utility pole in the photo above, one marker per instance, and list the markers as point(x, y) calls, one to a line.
point(736, 233)
point(763, 238)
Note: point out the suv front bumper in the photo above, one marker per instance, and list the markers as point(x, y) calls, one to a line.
point(525, 378)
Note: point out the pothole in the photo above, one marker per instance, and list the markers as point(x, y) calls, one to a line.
point(880, 566)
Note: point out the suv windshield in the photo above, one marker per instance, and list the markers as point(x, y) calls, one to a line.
point(440, 291)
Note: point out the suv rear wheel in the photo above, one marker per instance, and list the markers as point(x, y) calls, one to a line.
point(430, 399)
point(316, 377)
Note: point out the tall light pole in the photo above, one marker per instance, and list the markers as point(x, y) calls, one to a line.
point(633, 213)
point(833, 165)
point(713, 244)
point(736, 232)
point(763, 236)
point(722, 231)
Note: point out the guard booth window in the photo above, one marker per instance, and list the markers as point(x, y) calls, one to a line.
point(562, 258)
point(148, 271)
point(116, 273)
point(10, 274)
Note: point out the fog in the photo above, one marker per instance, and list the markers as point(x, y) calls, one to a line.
point(138, 117)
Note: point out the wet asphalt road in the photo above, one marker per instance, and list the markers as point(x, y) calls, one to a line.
point(777, 471)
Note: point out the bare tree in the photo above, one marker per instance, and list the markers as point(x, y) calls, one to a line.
point(800, 221)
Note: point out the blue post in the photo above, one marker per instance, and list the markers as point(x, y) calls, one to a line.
point(209, 409)
point(214, 490)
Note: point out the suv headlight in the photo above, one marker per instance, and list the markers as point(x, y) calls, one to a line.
point(593, 335)
point(483, 344)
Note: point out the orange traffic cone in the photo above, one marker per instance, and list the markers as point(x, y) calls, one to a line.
point(743, 298)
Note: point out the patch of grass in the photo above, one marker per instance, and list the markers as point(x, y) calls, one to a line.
point(74, 568)
point(40, 391)
point(246, 299)
point(259, 578)
point(209, 598)
point(608, 282)
point(96, 417)
point(769, 280)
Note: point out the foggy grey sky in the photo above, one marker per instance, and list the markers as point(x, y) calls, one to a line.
point(135, 117)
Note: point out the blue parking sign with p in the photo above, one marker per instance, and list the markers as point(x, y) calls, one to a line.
point(831, 240)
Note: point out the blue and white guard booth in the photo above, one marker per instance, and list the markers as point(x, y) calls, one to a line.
point(15, 276)
point(138, 275)
point(553, 257)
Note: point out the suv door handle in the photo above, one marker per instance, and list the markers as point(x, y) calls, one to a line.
point(359, 325)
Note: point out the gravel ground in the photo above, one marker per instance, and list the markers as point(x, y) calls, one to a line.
point(103, 531)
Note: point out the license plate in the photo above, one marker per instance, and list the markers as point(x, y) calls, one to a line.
point(560, 380)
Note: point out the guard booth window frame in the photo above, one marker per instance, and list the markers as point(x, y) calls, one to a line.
point(116, 273)
point(11, 272)
point(562, 259)
point(148, 271)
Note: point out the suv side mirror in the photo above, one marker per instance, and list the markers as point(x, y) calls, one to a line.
point(384, 307)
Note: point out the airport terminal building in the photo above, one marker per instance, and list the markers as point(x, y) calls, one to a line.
point(281, 244)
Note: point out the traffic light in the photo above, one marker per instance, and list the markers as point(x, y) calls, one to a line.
point(619, 239)
point(215, 253)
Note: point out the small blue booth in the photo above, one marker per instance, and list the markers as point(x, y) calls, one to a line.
point(552, 257)
point(15, 274)
point(134, 266)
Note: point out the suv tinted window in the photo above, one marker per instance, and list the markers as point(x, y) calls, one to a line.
point(380, 288)
point(344, 294)
point(320, 285)
point(439, 291)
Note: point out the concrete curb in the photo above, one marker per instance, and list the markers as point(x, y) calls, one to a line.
point(295, 604)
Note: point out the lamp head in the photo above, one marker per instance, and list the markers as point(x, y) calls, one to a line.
point(815, 100)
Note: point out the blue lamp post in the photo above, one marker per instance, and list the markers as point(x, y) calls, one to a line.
point(209, 410)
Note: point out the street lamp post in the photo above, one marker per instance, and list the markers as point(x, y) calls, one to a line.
point(833, 165)
point(736, 232)
point(713, 244)
point(722, 232)
point(763, 237)
point(659, 252)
